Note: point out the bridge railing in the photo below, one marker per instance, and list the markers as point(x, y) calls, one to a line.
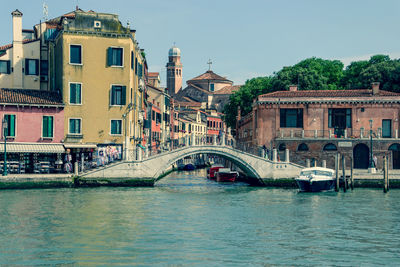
point(141, 152)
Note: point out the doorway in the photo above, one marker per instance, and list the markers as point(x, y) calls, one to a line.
point(361, 156)
point(395, 148)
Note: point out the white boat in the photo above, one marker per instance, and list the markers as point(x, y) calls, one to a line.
point(316, 179)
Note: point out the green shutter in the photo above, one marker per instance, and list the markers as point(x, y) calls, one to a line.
point(36, 67)
point(112, 94)
point(45, 126)
point(109, 56)
point(11, 125)
point(8, 67)
point(71, 126)
point(78, 93)
point(49, 126)
point(72, 93)
point(123, 97)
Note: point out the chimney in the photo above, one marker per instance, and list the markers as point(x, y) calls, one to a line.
point(18, 55)
point(375, 88)
point(293, 87)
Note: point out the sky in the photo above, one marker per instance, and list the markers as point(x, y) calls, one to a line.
point(243, 39)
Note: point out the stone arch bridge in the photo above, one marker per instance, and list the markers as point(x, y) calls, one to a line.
point(255, 167)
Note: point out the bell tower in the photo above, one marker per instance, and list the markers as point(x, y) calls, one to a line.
point(174, 71)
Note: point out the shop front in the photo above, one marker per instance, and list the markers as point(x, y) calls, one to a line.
point(32, 157)
point(83, 154)
point(107, 153)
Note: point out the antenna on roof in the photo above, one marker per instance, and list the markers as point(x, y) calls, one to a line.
point(209, 64)
point(45, 11)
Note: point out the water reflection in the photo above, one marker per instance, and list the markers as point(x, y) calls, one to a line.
point(189, 220)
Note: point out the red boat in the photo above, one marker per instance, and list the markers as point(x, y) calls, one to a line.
point(226, 175)
point(212, 171)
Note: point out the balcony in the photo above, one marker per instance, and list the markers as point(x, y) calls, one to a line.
point(296, 134)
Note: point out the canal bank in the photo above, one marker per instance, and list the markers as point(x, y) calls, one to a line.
point(362, 179)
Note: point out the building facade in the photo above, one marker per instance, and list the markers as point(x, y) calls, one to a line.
point(316, 125)
point(99, 68)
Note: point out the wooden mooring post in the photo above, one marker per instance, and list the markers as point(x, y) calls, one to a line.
point(351, 173)
point(344, 174)
point(337, 172)
point(385, 174)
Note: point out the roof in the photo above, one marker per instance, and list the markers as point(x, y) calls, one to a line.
point(153, 74)
point(209, 75)
point(26, 41)
point(227, 90)
point(30, 97)
point(327, 93)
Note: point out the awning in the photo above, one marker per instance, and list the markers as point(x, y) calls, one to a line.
point(72, 145)
point(32, 148)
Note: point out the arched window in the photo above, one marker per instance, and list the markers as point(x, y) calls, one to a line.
point(282, 147)
point(330, 147)
point(302, 147)
point(394, 147)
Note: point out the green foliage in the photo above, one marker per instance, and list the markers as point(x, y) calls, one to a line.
point(317, 74)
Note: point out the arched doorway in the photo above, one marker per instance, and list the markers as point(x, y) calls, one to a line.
point(361, 156)
point(395, 148)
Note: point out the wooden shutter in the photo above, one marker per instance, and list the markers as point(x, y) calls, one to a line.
point(109, 56)
point(123, 95)
point(11, 125)
point(36, 67)
point(45, 125)
point(8, 67)
point(26, 66)
point(50, 126)
point(112, 100)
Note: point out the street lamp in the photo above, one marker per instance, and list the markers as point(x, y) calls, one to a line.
point(371, 168)
point(4, 125)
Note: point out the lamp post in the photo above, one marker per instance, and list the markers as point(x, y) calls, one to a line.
point(4, 125)
point(371, 168)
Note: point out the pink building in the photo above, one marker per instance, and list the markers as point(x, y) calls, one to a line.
point(35, 128)
point(316, 125)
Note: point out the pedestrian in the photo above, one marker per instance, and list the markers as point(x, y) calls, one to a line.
point(375, 162)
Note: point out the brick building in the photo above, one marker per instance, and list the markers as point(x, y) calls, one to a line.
point(316, 125)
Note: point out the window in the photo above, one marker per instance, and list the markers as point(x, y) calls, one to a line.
point(75, 93)
point(330, 147)
point(5, 66)
point(75, 126)
point(114, 56)
point(291, 118)
point(31, 66)
point(339, 118)
point(118, 95)
point(10, 119)
point(158, 118)
point(116, 126)
point(386, 128)
point(47, 127)
point(132, 60)
point(44, 67)
point(75, 54)
point(212, 87)
point(282, 147)
point(302, 147)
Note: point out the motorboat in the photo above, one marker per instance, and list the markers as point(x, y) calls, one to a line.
point(226, 175)
point(212, 171)
point(181, 166)
point(316, 179)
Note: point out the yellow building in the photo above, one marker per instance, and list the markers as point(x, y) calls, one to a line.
point(98, 66)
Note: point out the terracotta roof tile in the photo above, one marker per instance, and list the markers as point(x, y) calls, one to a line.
point(153, 74)
point(327, 93)
point(209, 75)
point(228, 90)
point(34, 97)
point(26, 41)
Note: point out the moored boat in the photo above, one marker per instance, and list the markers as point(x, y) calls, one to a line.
point(226, 175)
point(212, 171)
point(189, 167)
point(316, 179)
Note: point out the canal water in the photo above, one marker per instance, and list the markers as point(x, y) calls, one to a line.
point(187, 220)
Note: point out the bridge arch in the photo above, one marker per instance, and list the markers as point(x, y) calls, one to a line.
point(223, 153)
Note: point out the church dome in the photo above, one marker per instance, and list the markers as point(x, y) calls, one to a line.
point(174, 51)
